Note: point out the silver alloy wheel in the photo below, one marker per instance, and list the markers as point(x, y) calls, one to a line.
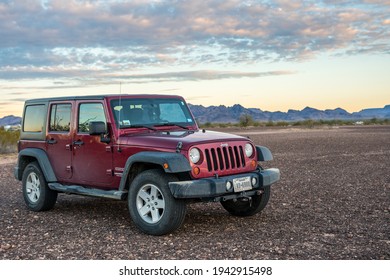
point(33, 187)
point(150, 203)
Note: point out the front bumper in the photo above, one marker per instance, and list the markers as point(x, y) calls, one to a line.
point(209, 188)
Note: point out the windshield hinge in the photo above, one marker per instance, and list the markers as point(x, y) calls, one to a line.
point(178, 147)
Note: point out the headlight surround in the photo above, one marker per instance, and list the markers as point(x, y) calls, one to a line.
point(194, 155)
point(248, 150)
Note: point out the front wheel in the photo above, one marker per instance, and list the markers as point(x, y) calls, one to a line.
point(151, 205)
point(248, 206)
point(36, 193)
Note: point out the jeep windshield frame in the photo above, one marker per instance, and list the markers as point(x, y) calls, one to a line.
point(151, 112)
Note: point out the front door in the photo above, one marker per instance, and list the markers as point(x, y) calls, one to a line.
point(92, 159)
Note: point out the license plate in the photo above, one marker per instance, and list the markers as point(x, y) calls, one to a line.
point(242, 184)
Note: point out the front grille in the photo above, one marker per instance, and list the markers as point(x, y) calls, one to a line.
point(225, 158)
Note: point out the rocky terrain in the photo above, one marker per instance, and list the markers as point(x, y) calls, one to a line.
point(331, 203)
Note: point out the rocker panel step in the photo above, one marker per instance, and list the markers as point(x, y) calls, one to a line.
point(74, 189)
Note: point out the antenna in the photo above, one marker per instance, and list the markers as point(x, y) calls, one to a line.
point(120, 101)
point(120, 98)
point(119, 115)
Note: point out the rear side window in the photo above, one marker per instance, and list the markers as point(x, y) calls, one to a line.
point(60, 115)
point(90, 112)
point(34, 118)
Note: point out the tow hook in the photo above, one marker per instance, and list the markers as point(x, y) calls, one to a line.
point(259, 192)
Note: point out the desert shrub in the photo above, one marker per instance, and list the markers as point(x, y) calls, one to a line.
point(377, 121)
point(8, 141)
point(282, 123)
point(246, 120)
point(206, 125)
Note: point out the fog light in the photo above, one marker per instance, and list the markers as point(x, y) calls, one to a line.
point(228, 186)
point(254, 181)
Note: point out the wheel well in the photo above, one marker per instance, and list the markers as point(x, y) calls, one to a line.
point(137, 168)
point(23, 162)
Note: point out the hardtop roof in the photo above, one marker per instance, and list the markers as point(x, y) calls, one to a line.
point(101, 97)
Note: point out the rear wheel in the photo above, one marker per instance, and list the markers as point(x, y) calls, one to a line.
point(248, 206)
point(151, 205)
point(36, 192)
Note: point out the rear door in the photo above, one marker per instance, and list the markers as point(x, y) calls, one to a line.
point(59, 138)
point(92, 159)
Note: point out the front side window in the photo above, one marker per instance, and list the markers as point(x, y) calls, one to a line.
point(90, 112)
point(34, 118)
point(60, 115)
point(128, 112)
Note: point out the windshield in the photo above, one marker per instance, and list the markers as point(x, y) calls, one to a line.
point(129, 112)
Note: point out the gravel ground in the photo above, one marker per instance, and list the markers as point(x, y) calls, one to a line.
point(331, 203)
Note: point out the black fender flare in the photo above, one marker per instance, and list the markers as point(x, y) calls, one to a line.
point(169, 162)
point(42, 159)
point(263, 154)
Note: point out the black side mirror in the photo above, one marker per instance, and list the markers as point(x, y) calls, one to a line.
point(97, 128)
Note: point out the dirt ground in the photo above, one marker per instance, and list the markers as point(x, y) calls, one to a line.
point(332, 203)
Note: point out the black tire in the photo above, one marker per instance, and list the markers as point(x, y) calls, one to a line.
point(248, 207)
point(36, 193)
point(152, 207)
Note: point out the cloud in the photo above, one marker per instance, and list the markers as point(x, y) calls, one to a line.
point(18, 99)
point(75, 38)
point(5, 103)
point(194, 98)
point(196, 76)
point(101, 77)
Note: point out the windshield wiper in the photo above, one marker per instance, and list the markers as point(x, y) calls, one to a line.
point(172, 124)
point(138, 126)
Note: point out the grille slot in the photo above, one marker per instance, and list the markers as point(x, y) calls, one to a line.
point(225, 158)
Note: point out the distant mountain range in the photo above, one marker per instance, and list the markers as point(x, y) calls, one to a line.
point(223, 114)
point(10, 120)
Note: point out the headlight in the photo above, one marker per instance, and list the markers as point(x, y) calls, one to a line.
point(194, 155)
point(248, 150)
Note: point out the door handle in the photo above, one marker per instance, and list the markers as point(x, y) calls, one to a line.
point(51, 141)
point(78, 143)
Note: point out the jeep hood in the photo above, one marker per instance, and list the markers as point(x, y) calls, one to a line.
point(169, 140)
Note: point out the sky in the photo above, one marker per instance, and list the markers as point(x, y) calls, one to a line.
point(271, 55)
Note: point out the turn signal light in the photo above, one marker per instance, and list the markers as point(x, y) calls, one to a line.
point(196, 170)
point(253, 163)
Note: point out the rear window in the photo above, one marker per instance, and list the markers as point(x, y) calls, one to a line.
point(34, 118)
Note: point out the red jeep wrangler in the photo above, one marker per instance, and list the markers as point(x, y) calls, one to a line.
point(147, 149)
